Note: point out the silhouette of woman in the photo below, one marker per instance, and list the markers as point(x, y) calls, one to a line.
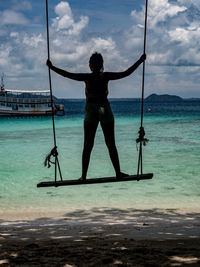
point(97, 108)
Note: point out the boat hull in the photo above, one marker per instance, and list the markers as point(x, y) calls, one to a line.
point(27, 103)
point(6, 113)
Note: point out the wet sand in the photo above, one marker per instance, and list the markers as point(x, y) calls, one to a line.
point(103, 237)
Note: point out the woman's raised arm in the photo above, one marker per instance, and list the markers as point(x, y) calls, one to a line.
point(64, 73)
point(123, 74)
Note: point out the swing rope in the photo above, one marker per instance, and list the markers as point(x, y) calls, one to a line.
point(141, 139)
point(53, 153)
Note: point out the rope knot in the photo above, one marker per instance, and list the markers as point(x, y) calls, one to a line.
point(53, 153)
point(141, 138)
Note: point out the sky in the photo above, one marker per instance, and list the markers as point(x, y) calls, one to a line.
point(114, 28)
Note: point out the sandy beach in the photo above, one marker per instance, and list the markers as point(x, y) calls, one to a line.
point(103, 237)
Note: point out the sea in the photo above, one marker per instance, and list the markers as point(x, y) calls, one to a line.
point(172, 155)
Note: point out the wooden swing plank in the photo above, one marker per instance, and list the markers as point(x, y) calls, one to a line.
point(97, 180)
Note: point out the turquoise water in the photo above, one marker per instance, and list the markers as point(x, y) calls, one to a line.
point(173, 155)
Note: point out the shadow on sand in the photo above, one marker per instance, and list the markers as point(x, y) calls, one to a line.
point(103, 237)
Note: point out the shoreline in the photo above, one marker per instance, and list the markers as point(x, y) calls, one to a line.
point(185, 222)
point(31, 213)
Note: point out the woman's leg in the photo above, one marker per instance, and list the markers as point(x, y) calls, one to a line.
point(89, 135)
point(108, 130)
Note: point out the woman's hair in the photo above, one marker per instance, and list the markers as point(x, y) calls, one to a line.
point(96, 61)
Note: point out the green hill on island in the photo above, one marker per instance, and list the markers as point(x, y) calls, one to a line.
point(163, 98)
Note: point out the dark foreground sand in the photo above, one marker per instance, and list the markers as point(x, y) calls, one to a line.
point(103, 238)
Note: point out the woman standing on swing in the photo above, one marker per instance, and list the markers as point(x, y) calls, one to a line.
point(97, 108)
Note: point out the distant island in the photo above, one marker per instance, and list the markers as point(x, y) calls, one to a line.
point(150, 98)
point(163, 98)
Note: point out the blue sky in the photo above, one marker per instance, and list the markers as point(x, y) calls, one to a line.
point(112, 27)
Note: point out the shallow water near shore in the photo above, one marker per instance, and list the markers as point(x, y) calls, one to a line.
point(172, 154)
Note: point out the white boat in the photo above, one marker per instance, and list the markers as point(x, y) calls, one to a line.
point(27, 103)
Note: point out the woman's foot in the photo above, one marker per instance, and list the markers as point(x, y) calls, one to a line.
point(82, 179)
point(121, 175)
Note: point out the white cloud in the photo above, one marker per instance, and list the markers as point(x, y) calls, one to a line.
point(160, 10)
point(185, 36)
point(21, 5)
point(79, 26)
point(104, 44)
point(14, 34)
point(172, 30)
point(4, 55)
point(12, 17)
point(65, 21)
point(63, 9)
point(34, 41)
point(188, 3)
